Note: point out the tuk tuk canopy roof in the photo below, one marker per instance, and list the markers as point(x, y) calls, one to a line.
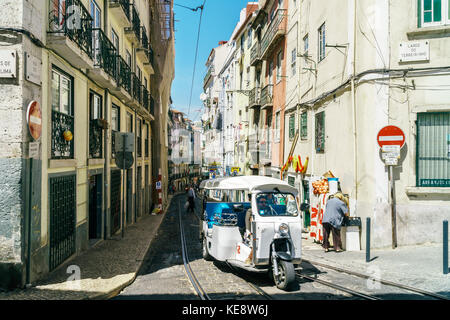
point(249, 183)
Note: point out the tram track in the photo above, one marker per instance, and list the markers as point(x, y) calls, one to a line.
point(300, 277)
point(187, 266)
point(381, 281)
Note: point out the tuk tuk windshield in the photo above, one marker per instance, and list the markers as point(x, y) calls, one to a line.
point(276, 204)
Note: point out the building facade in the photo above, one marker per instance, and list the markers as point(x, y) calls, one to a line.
point(316, 87)
point(91, 68)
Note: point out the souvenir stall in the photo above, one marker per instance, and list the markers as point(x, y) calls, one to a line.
point(323, 187)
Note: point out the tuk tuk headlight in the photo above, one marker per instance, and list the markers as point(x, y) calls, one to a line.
point(283, 229)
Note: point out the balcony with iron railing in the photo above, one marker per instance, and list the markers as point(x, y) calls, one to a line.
point(133, 33)
point(70, 38)
point(143, 47)
point(124, 82)
point(254, 97)
point(255, 54)
point(62, 136)
point(121, 9)
point(275, 30)
point(267, 95)
point(209, 73)
point(145, 99)
point(137, 88)
point(105, 60)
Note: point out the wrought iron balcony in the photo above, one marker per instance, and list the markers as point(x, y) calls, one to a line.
point(105, 58)
point(208, 75)
point(69, 37)
point(95, 140)
point(145, 99)
point(276, 29)
point(267, 95)
point(134, 32)
point(62, 135)
point(137, 88)
point(254, 97)
point(121, 9)
point(124, 78)
point(255, 54)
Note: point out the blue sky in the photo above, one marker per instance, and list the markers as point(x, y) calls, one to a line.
point(218, 22)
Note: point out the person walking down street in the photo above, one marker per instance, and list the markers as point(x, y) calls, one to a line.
point(191, 199)
point(336, 209)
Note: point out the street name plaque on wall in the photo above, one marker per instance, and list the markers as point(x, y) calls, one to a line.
point(8, 63)
point(413, 51)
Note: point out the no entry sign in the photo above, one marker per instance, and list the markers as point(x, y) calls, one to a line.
point(34, 119)
point(391, 136)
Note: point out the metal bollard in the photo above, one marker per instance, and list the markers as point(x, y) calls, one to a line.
point(445, 246)
point(368, 240)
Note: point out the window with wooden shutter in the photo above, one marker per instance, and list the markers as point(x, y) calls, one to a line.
point(292, 126)
point(433, 149)
point(304, 126)
point(320, 132)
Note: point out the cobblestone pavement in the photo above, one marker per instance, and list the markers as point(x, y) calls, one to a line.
point(104, 269)
point(162, 275)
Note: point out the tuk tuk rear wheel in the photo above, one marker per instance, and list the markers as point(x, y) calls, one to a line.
point(286, 275)
point(205, 252)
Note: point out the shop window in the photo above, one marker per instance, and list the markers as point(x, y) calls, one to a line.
point(433, 149)
point(320, 132)
point(433, 12)
point(304, 126)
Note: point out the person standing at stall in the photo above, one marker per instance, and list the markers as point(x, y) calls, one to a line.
point(336, 209)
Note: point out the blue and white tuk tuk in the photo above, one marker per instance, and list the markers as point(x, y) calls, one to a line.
point(254, 223)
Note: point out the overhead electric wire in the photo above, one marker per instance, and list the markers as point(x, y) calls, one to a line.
point(196, 54)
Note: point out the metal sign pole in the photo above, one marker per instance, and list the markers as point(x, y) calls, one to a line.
point(393, 209)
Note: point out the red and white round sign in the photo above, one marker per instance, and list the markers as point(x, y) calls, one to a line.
point(34, 119)
point(391, 136)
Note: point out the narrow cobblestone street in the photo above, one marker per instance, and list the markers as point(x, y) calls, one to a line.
point(163, 276)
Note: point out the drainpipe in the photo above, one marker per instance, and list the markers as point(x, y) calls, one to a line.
point(353, 89)
point(106, 150)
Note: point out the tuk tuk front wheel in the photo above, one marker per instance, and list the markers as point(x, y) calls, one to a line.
point(205, 251)
point(286, 275)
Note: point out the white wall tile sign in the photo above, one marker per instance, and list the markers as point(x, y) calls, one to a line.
point(412, 51)
point(33, 69)
point(8, 63)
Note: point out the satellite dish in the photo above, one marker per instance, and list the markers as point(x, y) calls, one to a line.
point(203, 96)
